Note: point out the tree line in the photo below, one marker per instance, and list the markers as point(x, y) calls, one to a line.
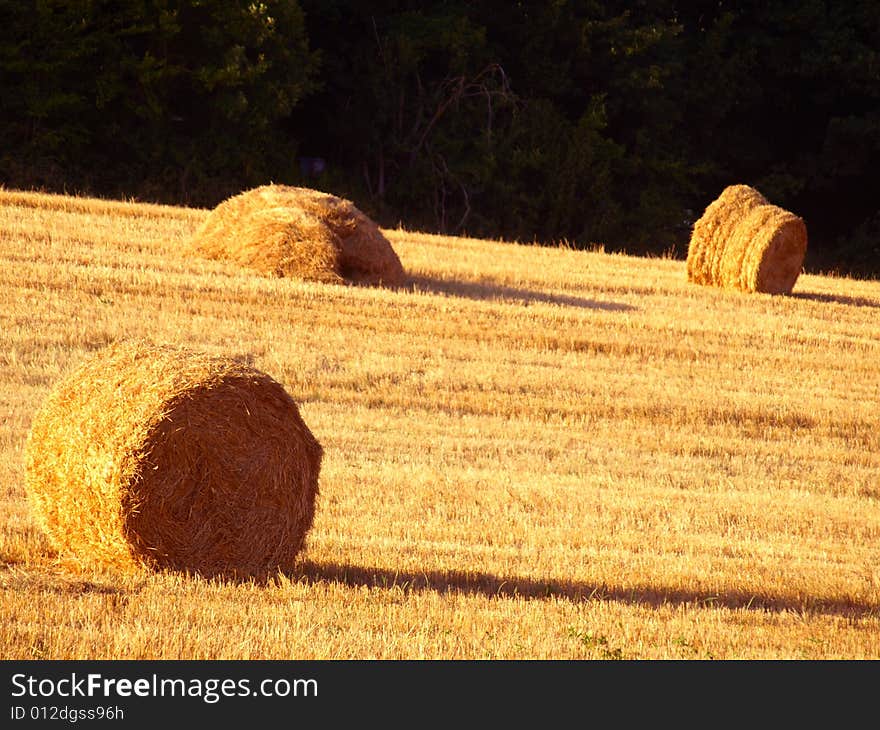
point(588, 122)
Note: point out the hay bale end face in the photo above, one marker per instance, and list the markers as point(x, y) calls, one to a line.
point(777, 255)
point(299, 232)
point(157, 457)
point(743, 242)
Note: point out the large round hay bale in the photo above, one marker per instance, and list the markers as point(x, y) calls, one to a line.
point(714, 228)
point(744, 242)
point(272, 240)
point(299, 232)
point(160, 457)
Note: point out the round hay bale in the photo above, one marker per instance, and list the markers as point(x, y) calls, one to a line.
point(365, 254)
point(744, 242)
point(160, 457)
point(714, 228)
point(299, 232)
point(272, 239)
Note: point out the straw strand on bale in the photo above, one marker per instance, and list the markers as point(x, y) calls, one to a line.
point(299, 232)
point(160, 457)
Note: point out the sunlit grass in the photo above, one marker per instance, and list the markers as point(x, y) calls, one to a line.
point(531, 452)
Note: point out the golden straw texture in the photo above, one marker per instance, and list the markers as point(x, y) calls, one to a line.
point(160, 457)
point(299, 232)
point(776, 256)
point(743, 242)
point(713, 229)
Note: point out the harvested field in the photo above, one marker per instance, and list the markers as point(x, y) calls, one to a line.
point(529, 452)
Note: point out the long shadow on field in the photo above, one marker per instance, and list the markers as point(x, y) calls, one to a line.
point(837, 299)
point(487, 584)
point(483, 290)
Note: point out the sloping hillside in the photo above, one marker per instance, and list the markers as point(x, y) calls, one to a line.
point(530, 452)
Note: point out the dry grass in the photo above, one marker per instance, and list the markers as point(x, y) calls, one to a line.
point(300, 233)
point(529, 452)
point(159, 457)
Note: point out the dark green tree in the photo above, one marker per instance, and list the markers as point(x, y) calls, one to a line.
point(409, 107)
point(786, 97)
point(527, 120)
point(178, 100)
point(593, 121)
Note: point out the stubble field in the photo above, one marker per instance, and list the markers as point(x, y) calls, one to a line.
point(530, 452)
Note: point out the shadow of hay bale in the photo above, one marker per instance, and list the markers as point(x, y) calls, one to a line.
point(495, 586)
point(838, 299)
point(488, 291)
point(159, 457)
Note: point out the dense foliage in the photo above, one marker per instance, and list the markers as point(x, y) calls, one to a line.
point(591, 122)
